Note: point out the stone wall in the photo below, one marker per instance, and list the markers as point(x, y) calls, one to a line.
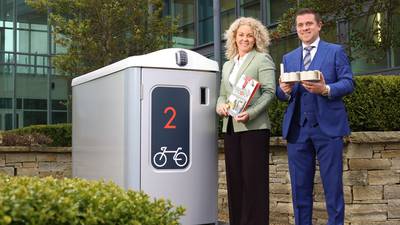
point(36, 161)
point(371, 164)
point(371, 177)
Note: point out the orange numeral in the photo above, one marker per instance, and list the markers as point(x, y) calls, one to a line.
point(168, 125)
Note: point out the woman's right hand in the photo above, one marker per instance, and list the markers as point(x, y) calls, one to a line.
point(222, 110)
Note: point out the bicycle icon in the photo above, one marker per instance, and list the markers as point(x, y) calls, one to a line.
point(160, 158)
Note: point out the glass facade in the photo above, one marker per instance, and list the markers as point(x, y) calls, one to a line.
point(269, 12)
point(30, 91)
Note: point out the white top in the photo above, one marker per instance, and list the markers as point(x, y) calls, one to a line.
point(313, 50)
point(163, 59)
point(238, 63)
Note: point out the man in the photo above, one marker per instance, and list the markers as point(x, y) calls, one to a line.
point(316, 120)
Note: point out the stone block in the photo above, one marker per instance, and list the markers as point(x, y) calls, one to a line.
point(7, 171)
point(348, 195)
point(367, 192)
point(20, 157)
point(52, 166)
point(394, 209)
point(61, 157)
point(319, 195)
point(272, 169)
point(14, 164)
point(355, 178)
point(46, 157)
point(393, 146)
point(369, 164)
point(29, 165)
point(396, 164)
point(279, 180)
point(377, 155)
point(27, 172)
point(319, 210)
point(280, 198)
point(317, 177)
point(391, 154)
point(345, 164)
point(378, 147)
point(362, 151)
point(278, 219)
point(221, 166)
point(392, 191)
point(383, 177)
point(283, 208)
point(280, 159)
point(279, 188)
point(366, 212)
point(282, 167)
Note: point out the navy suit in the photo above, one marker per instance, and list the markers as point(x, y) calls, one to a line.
point(314, 126)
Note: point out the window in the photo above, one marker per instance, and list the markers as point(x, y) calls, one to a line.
point(275, 10)
point(184, 10)
point(363, 58)
point(227, 14)
point(6, 13)
point(250, 8)
point(206, 25)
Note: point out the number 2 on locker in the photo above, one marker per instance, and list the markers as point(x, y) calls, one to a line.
point(168, 125)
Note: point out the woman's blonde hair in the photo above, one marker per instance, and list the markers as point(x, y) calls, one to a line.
point(261, 36)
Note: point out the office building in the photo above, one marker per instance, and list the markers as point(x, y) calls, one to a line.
point(32, 92)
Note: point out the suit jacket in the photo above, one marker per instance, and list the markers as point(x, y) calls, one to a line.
point(260, 67)
point(331, 114)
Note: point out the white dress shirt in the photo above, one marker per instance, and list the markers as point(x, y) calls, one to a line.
point(238, 63)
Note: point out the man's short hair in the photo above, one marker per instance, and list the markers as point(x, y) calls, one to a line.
point(303, 11)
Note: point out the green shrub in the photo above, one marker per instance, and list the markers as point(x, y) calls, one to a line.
point(32, 200)
point(373, 106)
point(13, 139)
point(60, 134)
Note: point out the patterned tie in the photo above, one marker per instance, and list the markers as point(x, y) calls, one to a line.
point(307, 57)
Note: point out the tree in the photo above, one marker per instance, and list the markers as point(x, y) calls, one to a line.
point(373, 29)
point(99, 32)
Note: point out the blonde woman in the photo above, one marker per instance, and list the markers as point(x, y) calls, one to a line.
point(246, 137)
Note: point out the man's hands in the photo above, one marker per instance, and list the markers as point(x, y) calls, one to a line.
point(286, 86)
point(242, 117)
point(315, 87)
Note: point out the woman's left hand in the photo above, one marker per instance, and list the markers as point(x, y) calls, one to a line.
point(242, 117)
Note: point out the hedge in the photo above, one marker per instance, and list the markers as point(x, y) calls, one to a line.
point(60, 134)
point(373, 106)
point(33, 200)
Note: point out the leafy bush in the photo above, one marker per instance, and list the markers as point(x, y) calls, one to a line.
point(32, 200)
point(373, 106)
point(60, 134)
point(12, 139)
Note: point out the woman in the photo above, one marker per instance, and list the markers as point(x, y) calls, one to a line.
point(246, 137)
